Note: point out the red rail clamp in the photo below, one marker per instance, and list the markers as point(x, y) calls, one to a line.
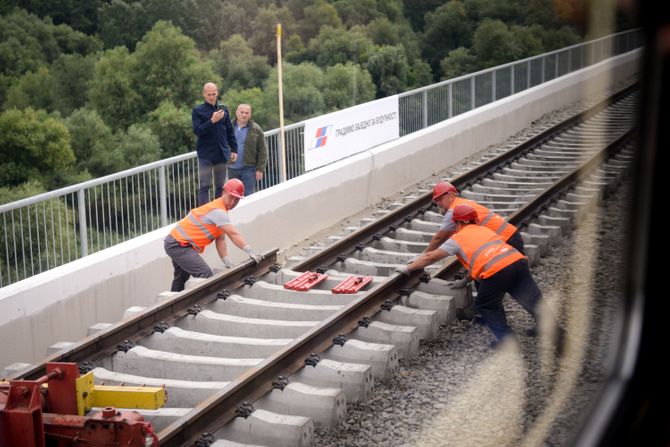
point(305, 281)
point(352, 284)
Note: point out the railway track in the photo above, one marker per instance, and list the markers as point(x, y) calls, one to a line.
point(244, 359)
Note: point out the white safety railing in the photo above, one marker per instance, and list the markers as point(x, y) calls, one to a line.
point(50, 229)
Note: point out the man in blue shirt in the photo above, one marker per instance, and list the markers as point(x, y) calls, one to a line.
point(216, 141)
point(252, 151)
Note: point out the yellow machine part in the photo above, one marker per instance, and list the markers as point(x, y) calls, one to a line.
point(90, 395)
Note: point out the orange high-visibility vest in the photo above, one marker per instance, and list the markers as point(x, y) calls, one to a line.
point(487, 218)
point(191, 230)
point(482, 252)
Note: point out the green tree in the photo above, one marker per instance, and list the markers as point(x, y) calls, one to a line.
point(138, 146)
point(82, 16)
point(264, 25)
point(123, 23)
point(416, 10)
point(527, 40)
point(112, 92)
point(93, 144)
point(494, 44)
point(362, 12)
point(34, 146)
point(459, 62)
point(70, 77)
point(172, 126)
point(333, 46)
point(389, 69)
point(28, 43)
point(446, 29)
point(235, 62)
point(154, 80)
point(382, 31)
point(23, 191)
point(302, 87)
point(419, 74)
point(346, 86)
point(317, 15)
point(32, 90)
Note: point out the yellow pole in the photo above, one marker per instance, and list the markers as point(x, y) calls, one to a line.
point(282, 149)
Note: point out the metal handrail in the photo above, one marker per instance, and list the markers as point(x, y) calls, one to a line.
point(56, 227)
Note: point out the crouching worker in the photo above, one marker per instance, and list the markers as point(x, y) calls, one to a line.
point(202, 226)
point(498, 266)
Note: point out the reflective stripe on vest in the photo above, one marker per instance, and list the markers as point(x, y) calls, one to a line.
point(482, 252)
point(192, 231)
point(487, 218)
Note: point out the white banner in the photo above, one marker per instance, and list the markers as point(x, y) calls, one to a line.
point(337, 135)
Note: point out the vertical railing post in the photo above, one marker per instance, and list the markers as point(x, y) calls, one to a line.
point(543, 68)
point(493, 85)
point(511, 80)
point(451, 100)
point(83, 227)
point(569, 61)
point(472, 93)
point(424, 105)
point(162, 194)
point(556, 66)
point(528, 75)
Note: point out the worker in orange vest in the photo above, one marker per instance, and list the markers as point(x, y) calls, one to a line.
point(499, 267)
point(202, 226)
point(445, 196)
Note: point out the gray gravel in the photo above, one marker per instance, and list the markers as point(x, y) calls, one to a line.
point(458, 391)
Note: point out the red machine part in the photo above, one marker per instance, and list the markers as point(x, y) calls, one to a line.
point(24, 420)
point(108, 427)
point(352, 284)
point(305, 281)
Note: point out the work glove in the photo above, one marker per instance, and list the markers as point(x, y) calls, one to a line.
point(252, 254)
point(404, 270)
point(459, 283)
point(227, 262)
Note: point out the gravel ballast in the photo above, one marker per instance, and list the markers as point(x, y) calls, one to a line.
point(459, 391)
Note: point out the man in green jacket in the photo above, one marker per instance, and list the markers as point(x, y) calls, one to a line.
point(252, 152)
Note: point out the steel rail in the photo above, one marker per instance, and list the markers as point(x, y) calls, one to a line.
point(102, 343)
point(347, 245)
point(213, 413)
point(221, 408)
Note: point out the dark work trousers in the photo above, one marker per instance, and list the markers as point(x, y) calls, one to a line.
point(516, 241)
point(514, 279)
point(186, 262)
point(207, 169)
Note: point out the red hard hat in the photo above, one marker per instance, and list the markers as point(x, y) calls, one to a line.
point(465, 213)
point(234, 187)
point(441, 189)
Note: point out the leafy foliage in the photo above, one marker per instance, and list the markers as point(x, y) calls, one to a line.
point(33, 145)
point(112, 82)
